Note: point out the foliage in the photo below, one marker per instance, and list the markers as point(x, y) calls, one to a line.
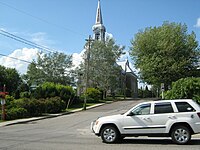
point(49, 89)
point(25, 94)
point(51, 67)
point(16, 113)
point(26, 107)
point(103, 71)
point(34, 107)
point(23, 87)
point(10, 77)
point(54, 105)
point(9, 101)
point(185, 88)
point(145, 93)
point(93, 94)
point(165, 54)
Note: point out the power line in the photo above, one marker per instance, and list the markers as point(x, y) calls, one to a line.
point(42, 20)
point(15, 58)
point(22, 40)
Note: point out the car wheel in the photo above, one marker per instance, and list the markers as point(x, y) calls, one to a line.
point(180, 135)
point(109, 134)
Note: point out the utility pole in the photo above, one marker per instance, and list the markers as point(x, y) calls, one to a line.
point(89, 40)
point(126, 64)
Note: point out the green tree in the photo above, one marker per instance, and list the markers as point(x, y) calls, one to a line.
point(51, 67)
point(10, 77)
point(165, 54)
point(185, 88)
point(103, 70)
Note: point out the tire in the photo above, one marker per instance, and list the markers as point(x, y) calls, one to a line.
point(180, 135)
point(109, 134)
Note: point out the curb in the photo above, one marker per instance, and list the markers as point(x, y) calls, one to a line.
point(26, 120)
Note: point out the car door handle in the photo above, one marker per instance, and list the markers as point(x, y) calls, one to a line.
point(172, 117)
point(145, 118)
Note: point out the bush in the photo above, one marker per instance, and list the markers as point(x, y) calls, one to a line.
point(25, 94)
point(34, 107)
point(48, 90)
point(26, 107)
point(47, 98)
point(54, 105)
point(9, 101)
point(16, 113)
point(93, 95)
point(185, 88)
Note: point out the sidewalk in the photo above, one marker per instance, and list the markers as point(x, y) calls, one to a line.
point(25, 120)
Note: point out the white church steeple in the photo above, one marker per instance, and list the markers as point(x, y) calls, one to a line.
point(99, 29)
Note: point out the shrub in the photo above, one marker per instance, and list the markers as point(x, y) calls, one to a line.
point(93, 94)
point(48, 90)
point(34, 107)
point(54, 105)
point(16, 113)
point(25, 94)
point(9, 101)
point(185, 88)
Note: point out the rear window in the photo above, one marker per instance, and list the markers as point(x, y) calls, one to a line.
point(184, 107)
point(163, 108)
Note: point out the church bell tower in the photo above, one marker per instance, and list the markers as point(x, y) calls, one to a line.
point(99, 29)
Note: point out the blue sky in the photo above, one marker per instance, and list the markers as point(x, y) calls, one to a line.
point(65, 24)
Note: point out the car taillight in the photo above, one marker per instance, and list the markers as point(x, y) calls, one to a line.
point(198, 114)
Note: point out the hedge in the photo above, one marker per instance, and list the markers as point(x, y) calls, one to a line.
point(49, 89)
point(30, 107)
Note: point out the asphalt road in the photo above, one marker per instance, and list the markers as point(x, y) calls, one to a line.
point(72, 132)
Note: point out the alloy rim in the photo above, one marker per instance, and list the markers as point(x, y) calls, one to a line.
point(181, 135)
point(109, 135)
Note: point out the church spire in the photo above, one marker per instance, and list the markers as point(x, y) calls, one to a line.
point(99, 29)
point(98, 14)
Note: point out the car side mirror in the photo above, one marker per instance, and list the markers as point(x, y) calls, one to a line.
point(131, 114)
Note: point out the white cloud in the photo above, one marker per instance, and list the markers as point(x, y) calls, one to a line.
point(77, 58)
point(41, 38)
point(23, 54)
point(198, 23)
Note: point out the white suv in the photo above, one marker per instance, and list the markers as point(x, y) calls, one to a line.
point(176, 118)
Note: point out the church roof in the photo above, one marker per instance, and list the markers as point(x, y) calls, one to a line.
point(126, 67)
point(99, 19)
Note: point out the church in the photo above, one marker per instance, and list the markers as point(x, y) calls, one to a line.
point(127, 78)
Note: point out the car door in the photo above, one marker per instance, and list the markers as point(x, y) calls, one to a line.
point(163, 115)
point(138, 120)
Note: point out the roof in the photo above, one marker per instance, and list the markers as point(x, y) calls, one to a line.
point(126, 67)
point(99, 19)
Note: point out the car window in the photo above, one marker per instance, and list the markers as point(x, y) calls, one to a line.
point(143, 109)
point(184, 107)
point(163, 108)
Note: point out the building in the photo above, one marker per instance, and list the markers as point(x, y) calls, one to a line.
point(127, 78)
